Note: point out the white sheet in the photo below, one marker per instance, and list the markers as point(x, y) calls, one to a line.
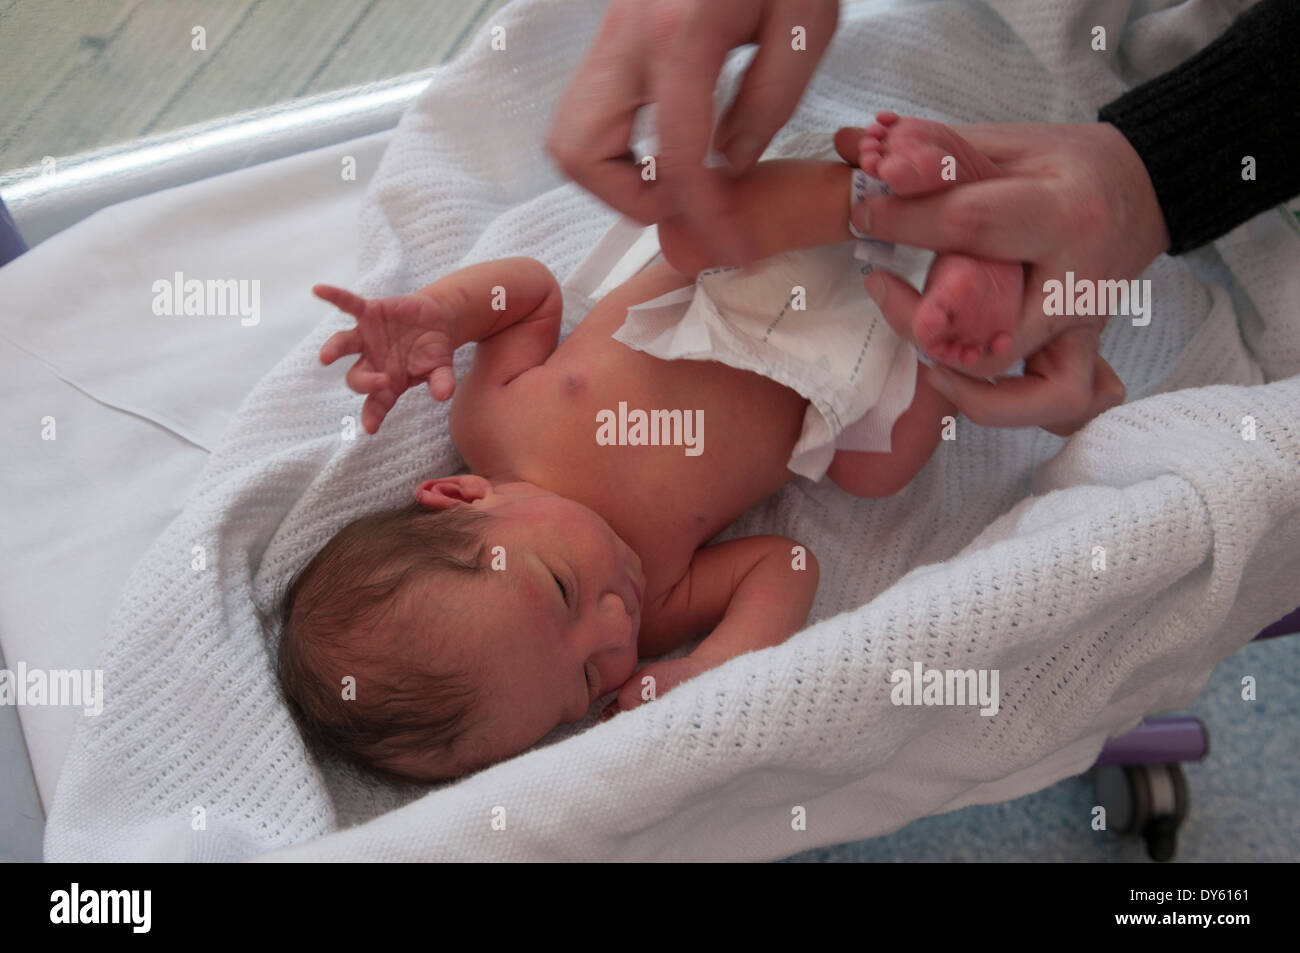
point(139, 400)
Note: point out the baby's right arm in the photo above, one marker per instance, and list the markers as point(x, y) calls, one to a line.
point(511, 306)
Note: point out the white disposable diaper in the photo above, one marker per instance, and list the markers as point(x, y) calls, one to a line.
point(803, 319)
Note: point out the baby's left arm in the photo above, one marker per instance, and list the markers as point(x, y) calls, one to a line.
point(749, 594)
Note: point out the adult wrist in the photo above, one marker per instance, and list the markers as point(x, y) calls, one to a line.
point(1215, 134)
point(1144, 218)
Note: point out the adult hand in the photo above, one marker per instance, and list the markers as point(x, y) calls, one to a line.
point(670, 52)
point(1066, 384)
point(1071, 197)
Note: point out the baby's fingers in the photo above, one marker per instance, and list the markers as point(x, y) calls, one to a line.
point(341, 298)
point(340, 344)
point(442, 382)
point(375, 409)
point(629, 697)
point(364, 379)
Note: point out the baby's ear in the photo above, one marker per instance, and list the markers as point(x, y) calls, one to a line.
point(449, 492)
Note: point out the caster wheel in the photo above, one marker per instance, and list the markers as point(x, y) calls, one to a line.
point(1146, 799)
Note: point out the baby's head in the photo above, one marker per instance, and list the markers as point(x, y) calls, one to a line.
point(471, 623)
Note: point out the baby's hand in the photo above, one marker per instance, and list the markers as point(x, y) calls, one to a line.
point(652, 681)
point(401, 340)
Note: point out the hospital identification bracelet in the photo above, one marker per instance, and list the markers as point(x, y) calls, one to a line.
point(862, 187)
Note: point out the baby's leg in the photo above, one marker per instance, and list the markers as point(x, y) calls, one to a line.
point(915, 435)
point(970, 306)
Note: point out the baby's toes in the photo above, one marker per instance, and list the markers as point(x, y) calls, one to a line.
point(870, 149)
point(970, 305)
point(871, 166)
point(911, 160)
point(913, 167)
point(924, 156)
point(933, 329)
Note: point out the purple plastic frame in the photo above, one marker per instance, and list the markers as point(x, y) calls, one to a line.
point(1175, 738)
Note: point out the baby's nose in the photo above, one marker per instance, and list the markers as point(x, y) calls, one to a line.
point(618, 603)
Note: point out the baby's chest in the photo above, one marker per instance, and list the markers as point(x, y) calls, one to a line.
point(637, 399)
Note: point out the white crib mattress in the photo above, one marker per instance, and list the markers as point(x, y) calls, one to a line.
point(137, 400)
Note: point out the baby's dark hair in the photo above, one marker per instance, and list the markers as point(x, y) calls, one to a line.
point(406, 706)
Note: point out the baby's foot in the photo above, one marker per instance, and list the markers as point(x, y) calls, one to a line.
point(970, 306)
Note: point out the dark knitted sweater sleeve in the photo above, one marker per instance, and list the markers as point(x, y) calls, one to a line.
point(1194, 126)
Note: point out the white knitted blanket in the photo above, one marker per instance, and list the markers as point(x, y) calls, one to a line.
point(990, 559)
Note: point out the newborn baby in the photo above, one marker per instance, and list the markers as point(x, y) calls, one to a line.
point(439, 638)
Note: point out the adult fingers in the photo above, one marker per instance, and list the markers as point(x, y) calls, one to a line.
point(793, 35)
point(1107, 391)
point(598, 159)
point(896, 299)
point(1005, 142)
point(846, 143)
point(594, 119)
point(617, 182)
point(1008, 219)
point(1056, 391)
point(695, 41)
